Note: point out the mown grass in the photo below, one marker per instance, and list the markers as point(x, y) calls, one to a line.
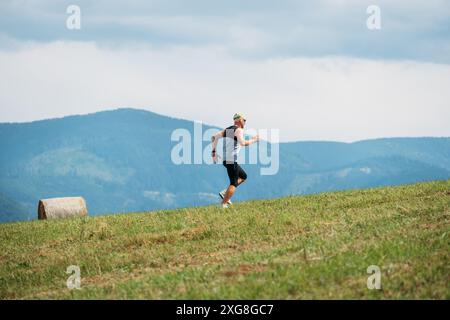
point(304, 247)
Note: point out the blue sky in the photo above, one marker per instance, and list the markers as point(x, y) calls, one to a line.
point(311, 68)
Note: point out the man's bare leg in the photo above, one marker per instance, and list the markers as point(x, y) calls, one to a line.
point(240, 180)
point(228, 194)
point(230, 191)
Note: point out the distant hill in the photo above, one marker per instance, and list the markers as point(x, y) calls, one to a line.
point(120, 162)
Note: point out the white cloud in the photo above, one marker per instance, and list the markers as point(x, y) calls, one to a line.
point(333, 98)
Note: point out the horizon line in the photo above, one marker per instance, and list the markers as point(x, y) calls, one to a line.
point(214, 126)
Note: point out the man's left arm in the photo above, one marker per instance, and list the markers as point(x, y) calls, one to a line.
point(242, 141)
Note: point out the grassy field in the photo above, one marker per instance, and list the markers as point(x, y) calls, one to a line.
point(301, 247)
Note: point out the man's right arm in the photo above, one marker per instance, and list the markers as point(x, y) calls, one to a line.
point(215, 139)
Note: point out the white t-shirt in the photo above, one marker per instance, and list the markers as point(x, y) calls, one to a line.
point(232, 143)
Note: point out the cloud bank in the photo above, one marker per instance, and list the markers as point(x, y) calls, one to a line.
point(411, 29)
point(324, 98)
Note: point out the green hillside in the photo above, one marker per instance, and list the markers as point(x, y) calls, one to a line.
point(301, 247)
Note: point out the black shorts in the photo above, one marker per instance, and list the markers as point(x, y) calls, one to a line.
point(234, 171)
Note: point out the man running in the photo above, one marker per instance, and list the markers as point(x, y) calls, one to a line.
point(234, 139)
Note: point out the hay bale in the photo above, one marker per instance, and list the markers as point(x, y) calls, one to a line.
point(57, 208)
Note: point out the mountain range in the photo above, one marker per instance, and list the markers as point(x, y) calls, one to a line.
point(120, 161)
